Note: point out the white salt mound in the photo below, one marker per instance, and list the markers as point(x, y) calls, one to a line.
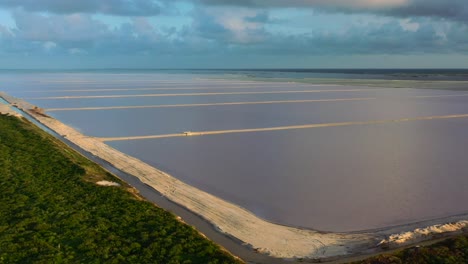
point(107, 183)
point(422, 234)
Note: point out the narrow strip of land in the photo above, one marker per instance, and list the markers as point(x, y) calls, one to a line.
point(146, 80)
point(192, 94)
point(436, 96)
point(207, 104)
point(233, 103)
point(163, 89)
point(250, 130)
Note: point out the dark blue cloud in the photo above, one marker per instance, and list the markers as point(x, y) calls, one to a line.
point(210, 33)
point(447, 9)
point(218, 33)
point(113, 7)
point(264, 17)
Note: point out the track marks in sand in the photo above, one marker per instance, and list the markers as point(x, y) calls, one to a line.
point(307, 126)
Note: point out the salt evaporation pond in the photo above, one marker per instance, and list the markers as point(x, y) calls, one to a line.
point(331, 178)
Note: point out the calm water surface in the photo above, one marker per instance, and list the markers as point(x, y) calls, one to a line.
point(138, 122)
point(334, 179)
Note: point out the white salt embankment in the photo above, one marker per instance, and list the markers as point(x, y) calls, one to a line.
point(419, 234)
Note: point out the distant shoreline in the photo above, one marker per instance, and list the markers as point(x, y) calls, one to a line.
point(342, 73)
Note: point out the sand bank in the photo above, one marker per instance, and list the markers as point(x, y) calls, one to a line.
point(411, 237)
point(6, 110)
point(264, 129)
point(168, 88)
point(210, 104)
point(263, 236)
point(194, 94)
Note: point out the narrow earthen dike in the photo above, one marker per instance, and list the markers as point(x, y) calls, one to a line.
point(264, 129)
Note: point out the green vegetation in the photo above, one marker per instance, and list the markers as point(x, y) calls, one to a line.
point(450, 251)
point(53, 212)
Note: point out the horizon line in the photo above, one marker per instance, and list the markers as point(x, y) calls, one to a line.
point(231, 69)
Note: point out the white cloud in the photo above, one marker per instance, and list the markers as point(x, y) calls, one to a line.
point(221, 31)
point(48, 45)
point(408, 25)
point(243, 30)
point(4, 31)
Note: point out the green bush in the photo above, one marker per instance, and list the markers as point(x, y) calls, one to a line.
point(52, 213)
point(450, 251)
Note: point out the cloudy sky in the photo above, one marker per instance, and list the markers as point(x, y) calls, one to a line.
point(233, 33)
